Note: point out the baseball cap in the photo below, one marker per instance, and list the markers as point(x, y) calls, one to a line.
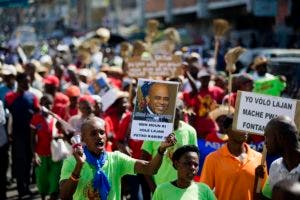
point(87, 98)
point(51, 80)
point(72, 91)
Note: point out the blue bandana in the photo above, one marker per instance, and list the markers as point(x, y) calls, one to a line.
point(100, 181)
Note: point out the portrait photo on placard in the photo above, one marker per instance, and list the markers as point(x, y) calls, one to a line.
point(155, 100)
point(154, 109)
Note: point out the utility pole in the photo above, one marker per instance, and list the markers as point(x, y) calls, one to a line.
point(169, 15)
point(141, 9)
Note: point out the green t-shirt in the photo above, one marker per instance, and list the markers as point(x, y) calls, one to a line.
point(270, 86)
point(195, 191)
point(185, 134)
point(267, 190)
point(116, 166)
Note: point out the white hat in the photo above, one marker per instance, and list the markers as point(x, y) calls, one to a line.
point(9, 70)
point(62, 47)
point(203, 73)
point(85, 72)
point(46, 60)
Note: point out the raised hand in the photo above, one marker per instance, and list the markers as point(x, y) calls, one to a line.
point(169, 141)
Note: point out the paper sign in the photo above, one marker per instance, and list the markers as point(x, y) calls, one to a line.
point(154, 110)
point(253, 111)
point(107, 93)
point(159, 65)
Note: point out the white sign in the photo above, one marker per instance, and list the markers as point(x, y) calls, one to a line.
point(254, 111)
point(107, 93)
point(109, 98)
point(154, 110)
point(159, 65)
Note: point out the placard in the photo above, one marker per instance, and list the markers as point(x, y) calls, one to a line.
point(107, 93)
point(253, 111)
point(158, 65)
point(154, 110)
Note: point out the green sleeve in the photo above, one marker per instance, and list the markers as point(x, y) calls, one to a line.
point(67, 168)
point(267, 191)
point(125, 163)
point(148, 147)
point(209, 194)
point(281, 85)
point(193, 137)
point(156, 195)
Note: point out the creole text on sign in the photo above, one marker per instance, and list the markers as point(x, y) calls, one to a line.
point(253, 111)
point(158, 65)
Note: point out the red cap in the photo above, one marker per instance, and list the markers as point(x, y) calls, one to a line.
point(51, 80)
point(72, 91)
point(87, 98)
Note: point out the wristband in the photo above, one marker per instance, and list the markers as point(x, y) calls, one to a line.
point(74, 146)
point(160, 153)
point(73, 178)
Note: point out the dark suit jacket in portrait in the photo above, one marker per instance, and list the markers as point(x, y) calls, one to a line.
point(145, 115)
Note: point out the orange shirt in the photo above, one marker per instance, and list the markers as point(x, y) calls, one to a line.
point(231, 178)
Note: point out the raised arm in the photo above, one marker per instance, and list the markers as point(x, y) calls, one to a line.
point(149, 179)
point(68, 186)
point(151, 167)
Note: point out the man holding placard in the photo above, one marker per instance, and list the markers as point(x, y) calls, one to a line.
point(230, 170)
point(185, 135)
point(281, 137)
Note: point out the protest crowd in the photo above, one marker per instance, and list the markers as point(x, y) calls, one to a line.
point(142, 120)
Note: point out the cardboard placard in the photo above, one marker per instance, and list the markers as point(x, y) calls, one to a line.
point(158, 65)
point(154, 110)
point(107, 93)
point(253, 111)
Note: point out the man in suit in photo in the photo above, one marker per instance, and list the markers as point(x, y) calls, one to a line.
point(157, 103)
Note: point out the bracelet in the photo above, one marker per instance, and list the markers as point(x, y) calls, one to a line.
point(160, 153)
point(73, 178)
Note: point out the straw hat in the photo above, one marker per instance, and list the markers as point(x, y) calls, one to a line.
point(259, 60)
point(138, 48)
point(8, 70)
point(103, 34)
point(221, 110)
point(172, 35)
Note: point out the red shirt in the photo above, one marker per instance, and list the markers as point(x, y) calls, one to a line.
point(112, 120)
point(212, 137)
point(135, 145)
point(232, 99)
point(43, 134)
point(115, 82)
point(60, 104)
point(215, 92)
point(202, 104)
point(204, 126)
point(71, 112)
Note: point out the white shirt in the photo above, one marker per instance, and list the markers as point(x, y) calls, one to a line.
point(278, 172)
point(256, 77)
point(3, 135)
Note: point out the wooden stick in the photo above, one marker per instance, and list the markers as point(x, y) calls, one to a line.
point(229, 90)
point(65, 124)
point(263, 161)
point(130, 92)
point(216, 51)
